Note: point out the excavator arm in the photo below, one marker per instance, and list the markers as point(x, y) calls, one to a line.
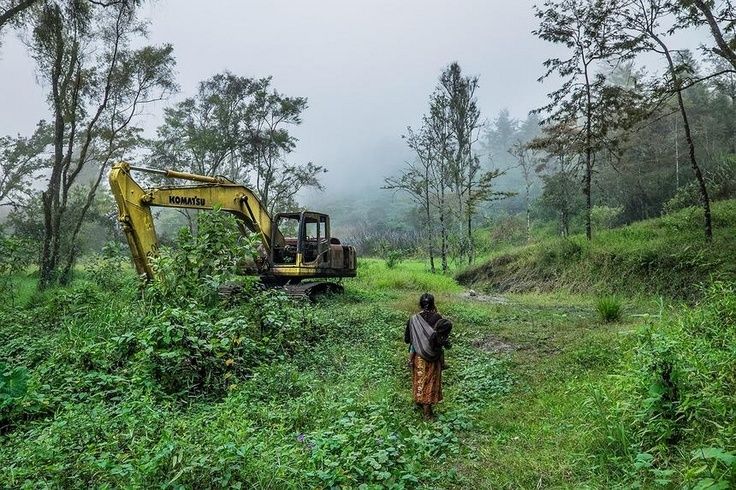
point(134, 205)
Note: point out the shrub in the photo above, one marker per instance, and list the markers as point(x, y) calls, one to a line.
point(609, 309)
point(194, 270)
point(13, 387)
point(394, 258)
point(391, 255)
point(605, 216)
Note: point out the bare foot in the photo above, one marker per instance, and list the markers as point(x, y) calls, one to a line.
point(428, 413)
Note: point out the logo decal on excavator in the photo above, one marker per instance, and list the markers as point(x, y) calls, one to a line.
point(186, 201)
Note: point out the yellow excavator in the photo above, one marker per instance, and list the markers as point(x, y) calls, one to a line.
point(285, 261)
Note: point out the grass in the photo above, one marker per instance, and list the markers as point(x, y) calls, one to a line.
point(609, 308)
point(663, 256)
point(530, 381)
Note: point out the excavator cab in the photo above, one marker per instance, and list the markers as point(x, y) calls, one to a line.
point(308, 246)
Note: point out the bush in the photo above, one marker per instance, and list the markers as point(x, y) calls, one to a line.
point(609, 309)
point(605, 216)
point(394, 258)
point(391, 255)
point(200, 263)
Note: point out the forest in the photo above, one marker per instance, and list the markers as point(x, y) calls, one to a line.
point(164, 240)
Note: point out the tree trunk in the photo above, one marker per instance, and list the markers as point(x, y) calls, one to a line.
point(50, 198)
point(704, 198)
point(471, 251)
point(677, 158)
point(443, 229)
point(588, 158)
point(430, 234)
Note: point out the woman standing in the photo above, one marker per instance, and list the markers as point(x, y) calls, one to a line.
point(428, 333)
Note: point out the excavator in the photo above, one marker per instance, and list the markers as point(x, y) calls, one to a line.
point(284, 262)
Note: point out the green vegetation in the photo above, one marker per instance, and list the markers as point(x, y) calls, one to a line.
point(665, 255)
point(609, 309)
point(102, 385)
point(203, 378)
point(673, 420)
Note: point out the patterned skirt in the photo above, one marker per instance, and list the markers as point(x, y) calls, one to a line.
point(426, 381)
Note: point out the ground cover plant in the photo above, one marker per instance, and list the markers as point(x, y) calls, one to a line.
point(102, 384)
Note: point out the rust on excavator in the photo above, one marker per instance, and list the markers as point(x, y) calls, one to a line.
point(310, 252)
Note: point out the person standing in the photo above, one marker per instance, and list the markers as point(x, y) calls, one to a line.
point(428, 335)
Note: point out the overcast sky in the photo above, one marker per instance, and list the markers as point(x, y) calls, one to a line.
point(367, 67)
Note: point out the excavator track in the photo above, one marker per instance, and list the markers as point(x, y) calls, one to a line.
point(303, 290)
point(311, 290)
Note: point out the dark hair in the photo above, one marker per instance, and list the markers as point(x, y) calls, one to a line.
point(426, 302)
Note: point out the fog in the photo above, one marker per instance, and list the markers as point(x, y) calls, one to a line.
point(367, 68)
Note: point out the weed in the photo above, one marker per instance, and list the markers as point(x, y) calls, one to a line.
point(609, 309)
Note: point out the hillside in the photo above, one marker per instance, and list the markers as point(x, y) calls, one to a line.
point(666, 255)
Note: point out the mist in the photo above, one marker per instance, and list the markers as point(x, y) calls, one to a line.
point(366, 68)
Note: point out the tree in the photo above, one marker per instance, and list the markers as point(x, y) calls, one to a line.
point(717, 16)
point(20, 12)
point(238, 127)
point(560, 145)
point(471, 184)
point(11, 10)
point(526, 158)
point(98, 85)
point(277, 181)
point(21, 160)
point(584, 27)
point(203, 134)
point(641, 20)
point(439, 134)
point(416, 181)
point(500, 136)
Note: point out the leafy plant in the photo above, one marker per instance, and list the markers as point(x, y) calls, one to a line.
point(609, 309)
point(202, 262)
point(13, 387)
point(394, 258)
point(391, 255)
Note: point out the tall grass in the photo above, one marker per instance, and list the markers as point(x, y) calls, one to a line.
point(609, 308)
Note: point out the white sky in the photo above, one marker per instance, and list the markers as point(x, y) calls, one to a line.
point(366, 66)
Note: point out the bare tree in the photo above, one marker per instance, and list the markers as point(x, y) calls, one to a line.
point(416, 181)
point(527, 160)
